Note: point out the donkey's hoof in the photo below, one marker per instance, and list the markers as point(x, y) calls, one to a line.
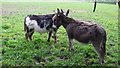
point(48, 40)
point(71, 49)
point(26, 39)
point(31, 39)
point(53, 37)
point(55, 42)
point(103, 62)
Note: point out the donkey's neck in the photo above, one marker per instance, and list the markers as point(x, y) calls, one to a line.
point(66, 21)
point(64, 24)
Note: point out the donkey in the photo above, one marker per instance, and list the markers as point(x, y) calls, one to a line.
point(41, 24)
point(84, 32)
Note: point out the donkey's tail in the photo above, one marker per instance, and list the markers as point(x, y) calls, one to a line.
point(103, 45)
point(25, 26)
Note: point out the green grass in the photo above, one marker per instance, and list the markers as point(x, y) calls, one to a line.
point(38, 52)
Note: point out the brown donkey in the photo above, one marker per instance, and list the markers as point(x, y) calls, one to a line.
point(84, 32)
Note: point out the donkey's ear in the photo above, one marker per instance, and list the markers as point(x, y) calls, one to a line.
point(62, 11)
point(54, 11)
point(67, 12)
point(58, 11)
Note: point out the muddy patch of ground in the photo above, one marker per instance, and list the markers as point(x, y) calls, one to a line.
point(8, 10)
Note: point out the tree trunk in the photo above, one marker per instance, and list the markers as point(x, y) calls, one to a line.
point(119, 4)
point(95, 6)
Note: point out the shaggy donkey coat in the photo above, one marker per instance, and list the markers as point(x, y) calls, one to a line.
point(84, 32)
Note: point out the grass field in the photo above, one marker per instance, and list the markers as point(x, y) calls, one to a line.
point(16, 51)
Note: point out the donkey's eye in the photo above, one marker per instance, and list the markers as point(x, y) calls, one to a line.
point(55, 20)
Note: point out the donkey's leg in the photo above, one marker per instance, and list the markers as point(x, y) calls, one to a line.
point(30, 34)
point(71, 45)
point(49, 36)
point(26, 35)
point(103, 51)
point(55, 37)
point(99, 51)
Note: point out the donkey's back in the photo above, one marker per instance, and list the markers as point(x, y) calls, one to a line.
point(39, 23)
point(86, 32)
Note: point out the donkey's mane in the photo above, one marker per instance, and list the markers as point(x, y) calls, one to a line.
point(71, 20)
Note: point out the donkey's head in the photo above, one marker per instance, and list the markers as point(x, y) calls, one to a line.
point(56, 18)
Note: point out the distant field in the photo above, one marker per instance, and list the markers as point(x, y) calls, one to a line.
point(16, 51)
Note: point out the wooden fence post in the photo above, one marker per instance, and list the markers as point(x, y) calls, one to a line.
point(95, 6)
